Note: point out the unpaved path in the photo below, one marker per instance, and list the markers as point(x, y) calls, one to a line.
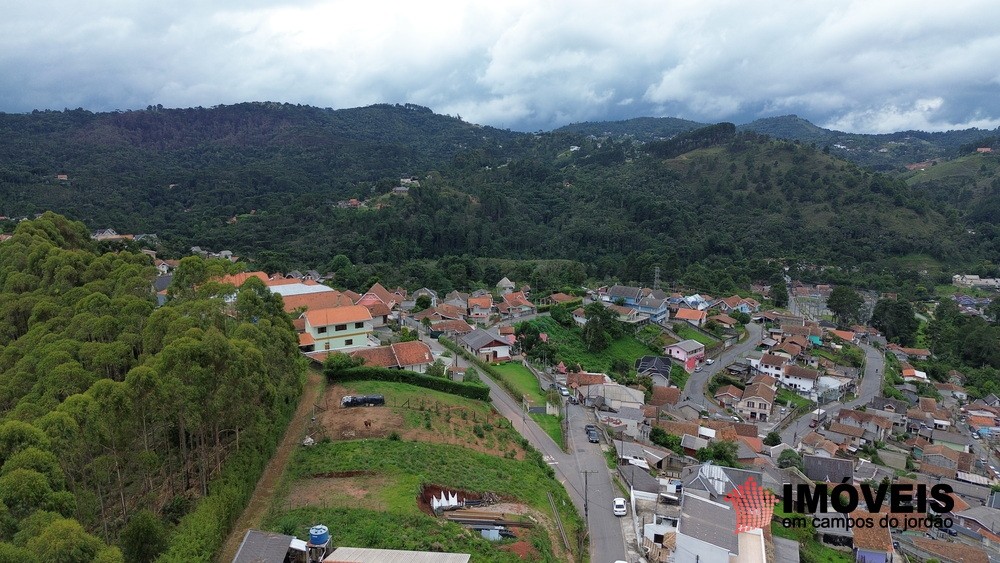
point(263, 494)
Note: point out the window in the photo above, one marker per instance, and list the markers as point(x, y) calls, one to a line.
point(749, 404)
point(339, 328)
point(321, 329)
point(359, 325)
point(349, 342)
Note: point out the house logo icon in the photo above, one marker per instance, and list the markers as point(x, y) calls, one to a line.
point(754, 505)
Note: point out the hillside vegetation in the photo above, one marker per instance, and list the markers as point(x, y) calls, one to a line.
point(714, 208)
point(117, 418)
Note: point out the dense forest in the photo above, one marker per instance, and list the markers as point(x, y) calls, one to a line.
point(714, 208)
point(117, 417)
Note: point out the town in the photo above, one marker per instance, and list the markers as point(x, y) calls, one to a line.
point(717, 391)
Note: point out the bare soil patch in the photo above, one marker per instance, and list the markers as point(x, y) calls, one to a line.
point(326, 491)
point(447, 426)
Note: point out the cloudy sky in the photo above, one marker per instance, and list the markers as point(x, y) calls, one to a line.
point(864, 66)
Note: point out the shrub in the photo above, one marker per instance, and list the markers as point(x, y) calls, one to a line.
point(477, 392)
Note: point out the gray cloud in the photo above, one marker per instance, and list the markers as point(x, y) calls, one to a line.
point(859, 66)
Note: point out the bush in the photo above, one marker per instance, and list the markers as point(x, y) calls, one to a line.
point(469, 391)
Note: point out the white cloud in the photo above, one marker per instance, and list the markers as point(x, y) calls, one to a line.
point(864, 66)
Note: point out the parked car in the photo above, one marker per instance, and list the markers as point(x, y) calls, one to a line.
point(590, 428)
point(573, 400)
point(710, 361)
point(950, 531)
point(362, 401)
point(593, 438)
point(699, 368)
point(619, 507)
point(564, 391)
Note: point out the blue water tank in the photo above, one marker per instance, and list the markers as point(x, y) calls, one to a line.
point(319, 535)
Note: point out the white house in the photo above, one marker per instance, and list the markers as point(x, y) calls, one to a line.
point(486, 346)
point(803, 380)
point(338, 328)
point(688, 352)
point(769, 364)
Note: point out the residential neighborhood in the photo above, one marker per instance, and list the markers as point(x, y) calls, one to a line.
point(787, 398)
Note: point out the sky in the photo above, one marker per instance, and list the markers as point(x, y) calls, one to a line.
point(869, 66)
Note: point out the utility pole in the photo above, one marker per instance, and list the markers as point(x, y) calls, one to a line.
point(586, 489)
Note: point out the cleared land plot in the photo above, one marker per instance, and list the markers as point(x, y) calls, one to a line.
point(571, 350)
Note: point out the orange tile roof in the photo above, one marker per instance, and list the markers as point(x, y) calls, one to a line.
point(379, 356)
point(663, 395)
point(730, 390)
point(323, 300)
point(458, 326)
point(843, 334)
point(352, 296)
point(723, 319)
point(951, 551)
point(412, 353)
point(378, 309)
point(689, 315)
point(306, 339)
point(382, 293)
point(562, 298)
point(337, 315)
point(241, 278)
point(484, 302)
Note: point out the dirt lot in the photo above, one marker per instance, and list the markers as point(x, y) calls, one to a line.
point(447, 426)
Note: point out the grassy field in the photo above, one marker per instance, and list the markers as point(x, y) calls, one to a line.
point(810, 550)
point(552, 425)
point(688, 332)
point(525, 381)
point(360, 510)
point(787, 395)
point(571, 349)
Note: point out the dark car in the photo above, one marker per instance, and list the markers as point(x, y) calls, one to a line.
point(951, 531)
point(362, 401)
point(593, 438)
point(590, 428)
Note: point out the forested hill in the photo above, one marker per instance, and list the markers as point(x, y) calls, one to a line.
point(268, 182)
point(884, 152)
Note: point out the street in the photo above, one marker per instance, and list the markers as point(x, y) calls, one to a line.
point(694, 389)
point(607, 542)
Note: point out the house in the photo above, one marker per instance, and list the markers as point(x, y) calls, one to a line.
point(380, 313)
point(803, 380)
point(705, 530)
point(515, 305)
point(909, 353)
point(615, 396)
point(688, 352)
point(828, 470)
point(486, 346)
point(768, 364)
point(430, 293)
point(452, 328)
point(982, 520)
point(653, 366)
point(337, 328)
point(627, 420)
point(627, 295)
point(629, 315)
point(480, 308)
point(728, 395)
point(692, 316)
point(663, 396)
point(377, 293)
point(949, 552)
point(871, 544)
point(876, 428)
point(739, 304)
point(303, 297)
point(505, 286)
point(410, 356)
point(756, 402)
point(579, 316)
point(724, 320)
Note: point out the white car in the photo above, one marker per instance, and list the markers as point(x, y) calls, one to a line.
point(710, 361)
point(619, 506)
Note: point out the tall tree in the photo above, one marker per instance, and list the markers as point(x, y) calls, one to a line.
point(896, 320)
point(845, 303)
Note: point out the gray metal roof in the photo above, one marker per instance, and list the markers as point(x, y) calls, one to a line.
point(709, 522)
point(479, 338)
point(828, 469)
point(689, 345)
point(262, 547)
point(639, 479)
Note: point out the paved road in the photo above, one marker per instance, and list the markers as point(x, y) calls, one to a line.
point(607, 542)
point(871, 386)
point(695, 386)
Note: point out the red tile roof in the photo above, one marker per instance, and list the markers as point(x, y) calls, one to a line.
point(562, 298)
point(457, 326)
point(241, 278)
point(484, 302)
point(663, 395)
point(337, 315)
point(412, 353)
point(323, 300)
point(689, 315)
point(730, 390)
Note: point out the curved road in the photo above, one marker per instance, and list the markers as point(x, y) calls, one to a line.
point(694, 389)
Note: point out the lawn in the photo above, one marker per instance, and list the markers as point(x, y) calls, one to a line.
point(571, 350)
point(552, 425)
point(523, 380)
point(787, 395)
point(688, 332)
point(810, 550)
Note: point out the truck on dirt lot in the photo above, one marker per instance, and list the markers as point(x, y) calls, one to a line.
point(362, 401)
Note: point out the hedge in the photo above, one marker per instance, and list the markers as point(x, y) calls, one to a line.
point(467, 390)
point(487, 368)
